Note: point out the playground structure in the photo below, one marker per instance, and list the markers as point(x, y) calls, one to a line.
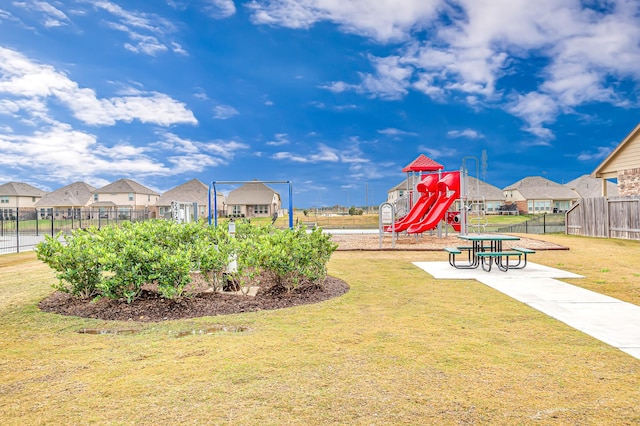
point(438, 192)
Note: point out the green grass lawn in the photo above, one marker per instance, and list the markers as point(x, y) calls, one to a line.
point(398, 348)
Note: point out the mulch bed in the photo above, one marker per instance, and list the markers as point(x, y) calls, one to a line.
point(150, 307)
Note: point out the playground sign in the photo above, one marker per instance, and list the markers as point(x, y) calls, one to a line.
point(387, 216)
point(386, 213)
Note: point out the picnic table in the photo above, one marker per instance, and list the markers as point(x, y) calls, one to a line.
point(486, 250)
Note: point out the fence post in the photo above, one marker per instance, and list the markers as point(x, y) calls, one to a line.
point(17, 230)
point(544, 223)
point(37, 230)
point(52, 232)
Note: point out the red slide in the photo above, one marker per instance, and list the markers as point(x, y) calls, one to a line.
point(450, 182)
point(427, 188)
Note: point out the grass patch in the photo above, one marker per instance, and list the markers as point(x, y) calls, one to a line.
point(399, 348)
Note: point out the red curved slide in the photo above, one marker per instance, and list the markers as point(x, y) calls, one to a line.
point(450, 182)
point(427, 187)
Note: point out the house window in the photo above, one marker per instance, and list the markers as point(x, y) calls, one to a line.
point(131, 196)
point(4, 199)
point(237, 210)
point(149, 197)
point(262, 209)
point(539, 206)
point(33, 199)
point(95, 197)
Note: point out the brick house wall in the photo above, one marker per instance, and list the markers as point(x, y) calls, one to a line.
point(629, 182)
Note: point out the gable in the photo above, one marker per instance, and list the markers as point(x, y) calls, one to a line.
point(125, 186)
point(625, 156)
point(252, 193)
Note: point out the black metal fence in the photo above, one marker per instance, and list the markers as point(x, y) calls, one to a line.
point(541, 224)
point(22, 229)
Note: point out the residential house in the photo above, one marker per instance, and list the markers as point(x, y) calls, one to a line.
point(189, 192)
point(536, 194)
point(623, 164)
point(491, 198)
point(18, 195)
point(123, 197)
point(403, 189)
point(253, 199)
point(590, 187)
point(66, 202)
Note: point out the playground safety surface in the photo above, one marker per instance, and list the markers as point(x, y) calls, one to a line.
point(370, 240)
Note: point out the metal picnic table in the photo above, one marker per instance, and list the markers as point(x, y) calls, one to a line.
point(486, 250)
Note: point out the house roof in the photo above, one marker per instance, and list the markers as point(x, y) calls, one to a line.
point(624, 157)
point(590, 187)
point(251, 193)
point(125, 186)
point(402, 186)
point(479, 188)
point(423, 164)
point(77, 194)
point(20, 189)
point(539, 188)
point(191, 191)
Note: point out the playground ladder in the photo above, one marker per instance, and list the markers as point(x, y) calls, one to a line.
point(477, 217)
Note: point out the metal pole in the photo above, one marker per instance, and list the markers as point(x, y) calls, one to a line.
point(215, 204)
point(290, 204)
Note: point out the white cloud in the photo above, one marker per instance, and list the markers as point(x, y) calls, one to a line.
point(149, 34)
point(280, 139)
point(466, 133)
point(536, 109)
point(49, 15)
point(25, 80)
point(382, 20)
point(68, 154)
point(220, 9)
point(601, 153)
point(443, 152)
point(323, 154)
point(224, 112)
point(65, 154)
point(396, 132)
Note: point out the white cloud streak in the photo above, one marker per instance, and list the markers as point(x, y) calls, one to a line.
point(466, 133)
point(224, 112)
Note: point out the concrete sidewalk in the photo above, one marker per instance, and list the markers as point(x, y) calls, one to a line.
point(610, 320)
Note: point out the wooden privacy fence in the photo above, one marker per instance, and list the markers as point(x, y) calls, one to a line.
point(615, 217)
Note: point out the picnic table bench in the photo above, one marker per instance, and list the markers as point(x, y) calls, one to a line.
point(486, 251)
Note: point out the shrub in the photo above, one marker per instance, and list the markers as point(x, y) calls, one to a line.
point(77, 262)
point(116, 262)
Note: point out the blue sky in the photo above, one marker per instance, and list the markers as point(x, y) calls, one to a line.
point(335, 96)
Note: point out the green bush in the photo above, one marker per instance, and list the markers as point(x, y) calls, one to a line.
point(76, 262)
point(116, 262)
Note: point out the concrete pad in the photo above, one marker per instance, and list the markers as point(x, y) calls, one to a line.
point(541, 289)
point(605, 318)
point(617, 324)
point(444, 271)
